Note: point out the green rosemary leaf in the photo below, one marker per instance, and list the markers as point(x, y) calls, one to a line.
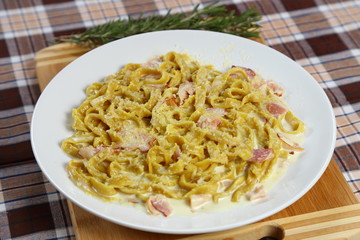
point(212, 17)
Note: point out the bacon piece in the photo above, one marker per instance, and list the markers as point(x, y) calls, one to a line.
point(249, 72)
point(219, 111)
point(116, 150)
point(276, 109)
point(256, 194)
point(209, 122)
point(234, 75)
point(258, 84)
point(177, 153)
point(261, 155)
point(153, 62)
point(289, 144)
point(146, 142)
point(158, 204)
point(224, 184)
point(275, 87)
point(199, 200)
point(173, 101)
point(185, 90)
point(87, 152)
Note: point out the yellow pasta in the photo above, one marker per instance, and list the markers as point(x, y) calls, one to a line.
point(176, 128)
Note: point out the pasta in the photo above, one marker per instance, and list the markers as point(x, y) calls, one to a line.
point(172, 128)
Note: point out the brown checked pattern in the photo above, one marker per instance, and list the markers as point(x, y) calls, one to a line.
point(323, 36)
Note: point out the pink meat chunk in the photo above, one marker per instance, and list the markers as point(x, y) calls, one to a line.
point(153, 63)
point(209, 122)
point(158, 204)
point(275, 87)
point(275, 109)
point(261, 155)
point(256, 194)
point(185, 91)
point(249, 72)
point(199, 200)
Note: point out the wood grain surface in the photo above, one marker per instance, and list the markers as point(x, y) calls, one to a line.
point(329, 193)
point(336, 223)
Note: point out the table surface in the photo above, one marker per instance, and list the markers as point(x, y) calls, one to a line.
point(323, 37)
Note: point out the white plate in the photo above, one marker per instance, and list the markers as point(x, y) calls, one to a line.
point(52, 120)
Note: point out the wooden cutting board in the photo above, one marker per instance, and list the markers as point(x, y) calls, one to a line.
point(325, 212)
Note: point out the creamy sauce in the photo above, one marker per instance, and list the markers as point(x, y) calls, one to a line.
point(182, 207)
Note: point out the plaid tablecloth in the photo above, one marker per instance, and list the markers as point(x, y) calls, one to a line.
point(321, 35)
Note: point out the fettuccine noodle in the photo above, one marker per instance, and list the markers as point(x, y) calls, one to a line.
point(175, 128)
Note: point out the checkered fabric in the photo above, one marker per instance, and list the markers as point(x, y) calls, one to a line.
point(321, 35)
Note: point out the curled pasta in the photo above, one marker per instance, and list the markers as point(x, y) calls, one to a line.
point(176, 128)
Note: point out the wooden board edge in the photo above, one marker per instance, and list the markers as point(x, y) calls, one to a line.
point(343, 221)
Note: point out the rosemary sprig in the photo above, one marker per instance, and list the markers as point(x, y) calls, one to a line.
point(212, 17)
